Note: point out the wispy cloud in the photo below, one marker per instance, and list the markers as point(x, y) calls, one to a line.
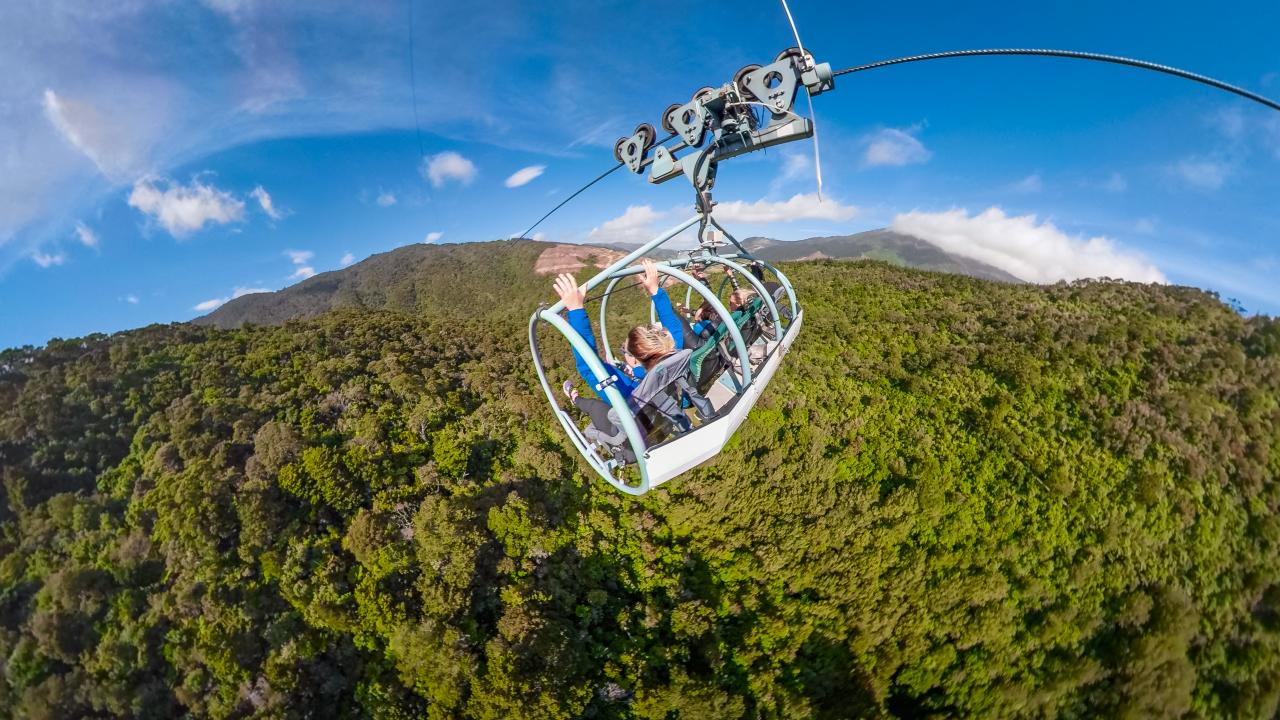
point(1030, 250)
point(448, 166)
point(183, 209)
point(48, 260)
point(524, 176)
point(895, 147)
point(794, 166)
point(265, 202)
point(87, 236)
point(131, 299)
point(432, 237)
point(347, 259)
point(1115, 183)
point(109, 141)
point(1028, 185)
point(1202, 173)
point(385, 199)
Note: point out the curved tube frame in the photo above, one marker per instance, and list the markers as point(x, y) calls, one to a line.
point(613, 273)
point(690, 287)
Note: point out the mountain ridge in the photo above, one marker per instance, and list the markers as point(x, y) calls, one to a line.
point(388, 279)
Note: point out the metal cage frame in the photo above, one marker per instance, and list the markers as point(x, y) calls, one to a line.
point(672, 457)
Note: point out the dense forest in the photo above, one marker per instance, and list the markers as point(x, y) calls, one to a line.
point(956, 498)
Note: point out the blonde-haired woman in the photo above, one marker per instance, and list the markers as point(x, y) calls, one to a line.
point(645, 347)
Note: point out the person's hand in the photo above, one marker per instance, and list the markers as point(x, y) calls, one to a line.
point(570, 292)
point(727, 270)
point(649, 278)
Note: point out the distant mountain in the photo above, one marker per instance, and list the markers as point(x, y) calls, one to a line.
point(460, 281)
point(415, 277)
point(885, 245)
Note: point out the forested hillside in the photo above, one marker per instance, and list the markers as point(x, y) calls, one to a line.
point(956, 498)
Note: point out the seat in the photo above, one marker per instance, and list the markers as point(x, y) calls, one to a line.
point(708, 360)
point(657, 403)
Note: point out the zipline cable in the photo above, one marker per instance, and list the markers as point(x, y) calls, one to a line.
point(580, 190)
point(564, 202)
point(1075, 54)
point(1040, 52)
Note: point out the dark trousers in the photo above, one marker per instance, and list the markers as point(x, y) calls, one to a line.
point(598, 411)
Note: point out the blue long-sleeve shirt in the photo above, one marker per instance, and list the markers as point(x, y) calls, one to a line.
point(580, 322)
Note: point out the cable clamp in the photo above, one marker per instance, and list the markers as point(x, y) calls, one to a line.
point(600, 386)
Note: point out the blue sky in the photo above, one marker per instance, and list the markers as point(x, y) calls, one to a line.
point(160, 157)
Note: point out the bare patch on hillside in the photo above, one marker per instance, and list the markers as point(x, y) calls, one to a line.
point(572, 258)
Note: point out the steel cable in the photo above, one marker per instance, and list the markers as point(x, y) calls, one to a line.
point(1076, 54)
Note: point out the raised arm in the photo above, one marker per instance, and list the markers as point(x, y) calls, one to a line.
point(661, 303)
point(574, 297)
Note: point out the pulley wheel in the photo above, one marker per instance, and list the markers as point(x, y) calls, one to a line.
point(650, 135)
point(666, 118)
point(794, 52)
point(617, 148)
point(740, 77)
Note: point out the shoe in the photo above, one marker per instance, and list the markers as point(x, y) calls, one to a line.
point(569, 391)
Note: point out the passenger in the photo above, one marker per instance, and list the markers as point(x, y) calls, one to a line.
point(645, 347)
point(705, 319)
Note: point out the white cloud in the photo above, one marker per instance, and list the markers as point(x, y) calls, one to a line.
point(447, 166)
point(432, 237)
point(264, 201)
point(300, 258)
point(639, 223)
point(539, 236)
point(801, 206)
point(895, 147)
point(347, 259)
point(47, 260)
point(182, 209)
point(1201, 173)
point(385, 199)
point(1028, 185)
point(87, 236)
point(524, 176)
point(131, 299)
point(634, 225)
point(215, 303)
point(1032, 251)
